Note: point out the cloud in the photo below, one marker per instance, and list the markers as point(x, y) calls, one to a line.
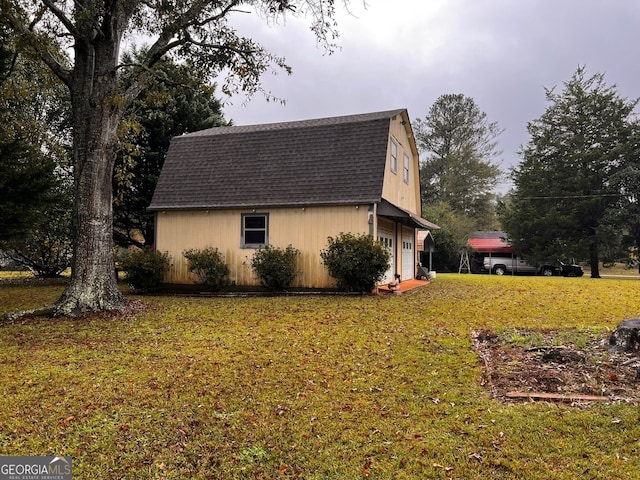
point(406, 53)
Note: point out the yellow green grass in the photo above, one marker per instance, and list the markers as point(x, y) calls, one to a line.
point(309, 387)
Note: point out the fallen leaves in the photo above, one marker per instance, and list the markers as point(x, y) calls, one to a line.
point(326, 387)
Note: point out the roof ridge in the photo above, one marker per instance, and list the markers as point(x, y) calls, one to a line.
point(311, 122)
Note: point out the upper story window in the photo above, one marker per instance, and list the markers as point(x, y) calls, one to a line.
point(405, 172)
point(255, 230)
point(394, 156)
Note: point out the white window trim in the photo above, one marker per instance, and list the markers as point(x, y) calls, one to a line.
point(406, 169)
point(394, 156)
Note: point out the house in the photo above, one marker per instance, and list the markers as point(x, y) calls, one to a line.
point(296, 183)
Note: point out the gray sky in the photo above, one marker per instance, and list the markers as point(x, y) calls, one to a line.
point(406, 53)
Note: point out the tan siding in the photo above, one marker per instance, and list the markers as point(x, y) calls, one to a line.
point(306, 229)
point(395, 190)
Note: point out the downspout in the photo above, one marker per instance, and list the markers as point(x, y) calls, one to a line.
point(155, 230)
point(396, 246)
point(372, 219)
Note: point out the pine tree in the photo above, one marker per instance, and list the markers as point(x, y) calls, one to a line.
point(460, 148)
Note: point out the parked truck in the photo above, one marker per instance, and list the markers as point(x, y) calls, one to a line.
point(501, 265)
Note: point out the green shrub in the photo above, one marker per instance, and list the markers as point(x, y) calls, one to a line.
point(356, 262)
point(275, 267)
point(209, 266)
point(145, 269)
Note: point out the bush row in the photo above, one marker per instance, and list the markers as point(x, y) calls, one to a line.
point(357, 262)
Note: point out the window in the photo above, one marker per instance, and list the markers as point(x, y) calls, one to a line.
point(406, 169)
point(394, 156)
point(387, 242)
point(255, 230)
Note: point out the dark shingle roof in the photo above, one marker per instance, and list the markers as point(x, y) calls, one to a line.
point(328, 161)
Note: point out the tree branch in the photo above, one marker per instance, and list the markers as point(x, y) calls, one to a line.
point(37, 43)
point(56, 67)
point(60, 15)
point(189, 18)
point(14, 59)
point(166, 40)
point(245, 54)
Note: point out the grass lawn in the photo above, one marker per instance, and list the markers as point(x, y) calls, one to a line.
point(309, 387)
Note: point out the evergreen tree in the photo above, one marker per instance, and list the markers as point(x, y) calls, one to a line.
point(564, 194)
point(178, 100)
point(460, 147)
point(26, 188)
point(32, 150)
point(627, 182)
point(458, 173)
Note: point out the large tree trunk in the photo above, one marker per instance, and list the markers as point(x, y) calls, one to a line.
point(97, 109)
point(594, 260)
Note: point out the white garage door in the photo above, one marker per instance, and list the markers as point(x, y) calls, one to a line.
point(408, 254)
point(385, 236)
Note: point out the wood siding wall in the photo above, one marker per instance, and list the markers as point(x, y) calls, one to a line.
point(395, 190)
point(306, 229)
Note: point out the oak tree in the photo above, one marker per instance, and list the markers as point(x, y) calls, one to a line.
point(93, 31)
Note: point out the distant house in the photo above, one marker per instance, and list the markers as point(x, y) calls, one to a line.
point(296, 183)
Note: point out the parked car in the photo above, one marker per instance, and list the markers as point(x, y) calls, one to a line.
point(570, 270)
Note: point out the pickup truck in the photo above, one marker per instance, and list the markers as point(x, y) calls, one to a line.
point(501, 265)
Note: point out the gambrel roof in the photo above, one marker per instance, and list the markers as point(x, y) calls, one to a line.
point(327, 161)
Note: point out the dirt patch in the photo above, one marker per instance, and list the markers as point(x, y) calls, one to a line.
point(33, 281)
point(556, 365)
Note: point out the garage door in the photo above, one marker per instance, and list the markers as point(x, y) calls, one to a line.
point(385, 236)
point(408, 254)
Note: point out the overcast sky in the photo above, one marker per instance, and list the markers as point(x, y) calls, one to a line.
point(406, 53)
